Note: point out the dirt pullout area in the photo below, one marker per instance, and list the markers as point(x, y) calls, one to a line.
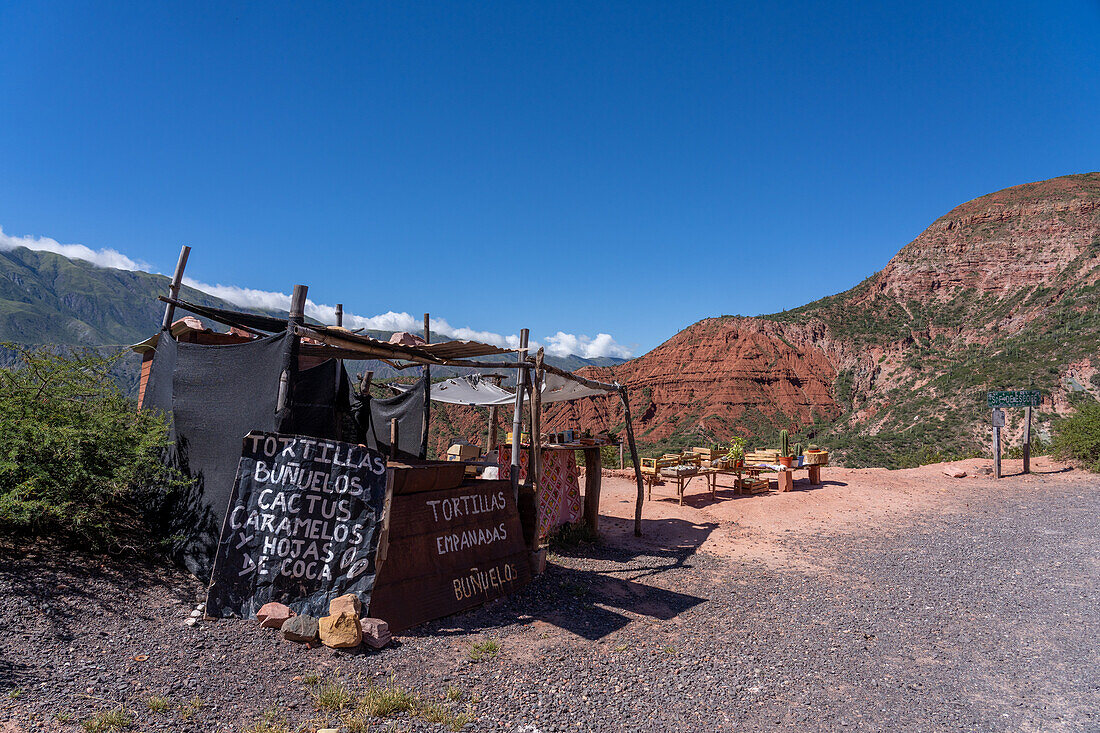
point(880, 601)
point(748, 527)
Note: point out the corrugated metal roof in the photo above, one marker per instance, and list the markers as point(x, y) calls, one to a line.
point(372, 347)
point(463, 349)
point(444, 351)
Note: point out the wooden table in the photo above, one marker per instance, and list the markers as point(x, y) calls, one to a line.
point(593, 474)
point(785, 475)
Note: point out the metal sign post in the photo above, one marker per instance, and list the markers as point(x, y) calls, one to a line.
point(997, 401)
point(998, 423)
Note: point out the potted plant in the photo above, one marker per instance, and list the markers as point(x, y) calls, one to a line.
point(736, 453)
point(786, 458)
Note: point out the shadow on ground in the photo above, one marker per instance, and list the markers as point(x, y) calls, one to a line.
point(593, 603)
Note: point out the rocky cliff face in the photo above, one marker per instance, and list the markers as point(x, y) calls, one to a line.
point(1001, 293)
point(1025, 236)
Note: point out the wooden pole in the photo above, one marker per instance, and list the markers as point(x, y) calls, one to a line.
point(295, 319)
point(517, 417)
point(174, 288)
point(427, 391)
point(996, 448)
point(394, 435)
point(580, 380)
point(339, 366)
point(1027, 440)
point(298, 304)
point(637, 463)
point(491, 441)
point(620, 454)
point(534, 474)
point(593, 475)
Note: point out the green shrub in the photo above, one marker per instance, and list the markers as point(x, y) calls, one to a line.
point(1077, 437)
point(77, 459)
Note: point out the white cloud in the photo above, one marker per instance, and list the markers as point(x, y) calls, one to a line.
point(561, 344)
point(101, 257)
point(564, 344)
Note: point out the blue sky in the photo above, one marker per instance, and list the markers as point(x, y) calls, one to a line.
point(624, 169)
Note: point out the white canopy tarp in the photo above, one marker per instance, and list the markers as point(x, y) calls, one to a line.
point(474, 390)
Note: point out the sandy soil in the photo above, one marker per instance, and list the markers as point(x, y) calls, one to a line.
point(848, 501)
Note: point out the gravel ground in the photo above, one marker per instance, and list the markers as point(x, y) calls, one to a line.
point(986, 619)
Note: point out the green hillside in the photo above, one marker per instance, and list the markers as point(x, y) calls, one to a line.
point(46, 298)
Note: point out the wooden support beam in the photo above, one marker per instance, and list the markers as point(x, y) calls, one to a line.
point(517, 417)
point(427, 391)
point(637, 463)
point(294, 322)
point(298, 304)
point(593, 478)
point(534, 472)
point(383, 351)
point(580, 380)
point(174, 288)
point(491, 441)
point(394, 435)
point(1027, 440)
point(996, 446)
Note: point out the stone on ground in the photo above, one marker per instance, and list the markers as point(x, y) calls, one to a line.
point(273, 615)
point(376, 632)
point(347, 603)
point(954, 472)
point(341, 631)
point(301, 628)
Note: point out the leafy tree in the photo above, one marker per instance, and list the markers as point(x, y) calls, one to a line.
point(1078, 436)
point(78, 460)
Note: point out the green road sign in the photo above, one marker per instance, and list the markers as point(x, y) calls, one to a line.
point(1019, 398)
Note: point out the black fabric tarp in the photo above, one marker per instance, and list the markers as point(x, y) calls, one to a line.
point(215, 395)
point(302, 528)
point(373, 416)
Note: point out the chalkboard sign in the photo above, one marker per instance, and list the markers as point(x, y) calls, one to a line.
point(1019, 398)
point(448, 551)
point(302, 526)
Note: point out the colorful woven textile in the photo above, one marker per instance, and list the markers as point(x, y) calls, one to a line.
point(560, 500)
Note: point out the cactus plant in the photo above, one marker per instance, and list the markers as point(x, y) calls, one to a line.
point(797, 450)
point(784, 443)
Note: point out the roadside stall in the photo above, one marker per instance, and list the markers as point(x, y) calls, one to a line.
point(435, 542)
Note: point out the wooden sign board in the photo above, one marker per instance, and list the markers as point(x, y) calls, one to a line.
point(1018, 398)
point(449, 551)
point(998, 417)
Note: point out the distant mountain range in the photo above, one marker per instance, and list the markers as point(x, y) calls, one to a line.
point(1000, 293)
point(46, 298)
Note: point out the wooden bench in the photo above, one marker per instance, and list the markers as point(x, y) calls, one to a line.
point(658, 469)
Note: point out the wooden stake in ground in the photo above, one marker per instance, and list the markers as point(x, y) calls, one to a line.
point(637, 463)
point(534, 472)
point(517, 417)
point(998, 421)
point(491, 440)
point(1027, 440)
point(427, 391)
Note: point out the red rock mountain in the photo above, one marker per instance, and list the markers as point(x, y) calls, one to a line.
point(1003, 292)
